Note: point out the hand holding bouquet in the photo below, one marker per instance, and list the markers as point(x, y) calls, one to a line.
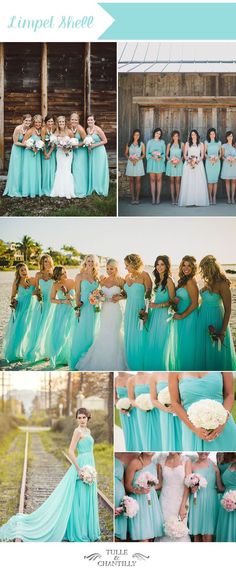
point(175, 161)
point(144, 402)
point(88, 474)
point(34, 145)
point(175, 528)
point(213, 159)
point(229, 501)
point(156, 155)
point(128, 506)
point(231, 159)
point(172, 309)
point(195, 481)
point(147, 480)
point(133, 158)
point(96, 298)
point(207, 414)
point(164, 397)
point(216, 338)
point(125, 405)
point(88, 142)
point(192, 161)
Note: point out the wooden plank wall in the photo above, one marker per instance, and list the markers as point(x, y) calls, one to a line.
point(103, 88)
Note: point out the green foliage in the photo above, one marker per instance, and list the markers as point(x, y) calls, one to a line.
point(117, 418)
point(11, 466)
point(98, 426)
point(7, 423)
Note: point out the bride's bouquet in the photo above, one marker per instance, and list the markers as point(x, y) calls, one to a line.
point(175, 527)
point(88, 141)
point(195, 480)
point(147, 480)
point(229, 501)
point(88, 474)
point(192, 161)
point(34, 145)
point(124, 404)
point(65, 144)
point(164, 397)
point(144, 402)
point(96, 298)
point(207, 414)
point(128, 506)
point(231, 159)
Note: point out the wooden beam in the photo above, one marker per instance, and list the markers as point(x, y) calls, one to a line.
point(2, 162)
point(183, 101)
point(87, 80)
point(44, 80)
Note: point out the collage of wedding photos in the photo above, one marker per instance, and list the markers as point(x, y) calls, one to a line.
point(117, 292)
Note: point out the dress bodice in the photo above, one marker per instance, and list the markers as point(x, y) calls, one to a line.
point(85, 444)
point(210, 299)
point(173, 479)
point(209, 474)
point(209, 386)
point(135, 149)
point(46, 287)
point(122, 392)
point(148, 468)
point(194, 151)
point(161, 385)
point(119, 469)
point(135, 291)
point(229, 150)
point(96, 138)
point(20, 137)
point(78, 137)
point(156, 145)
point(213, 148)
point(60, 295)
point(110, 291)
point(184, 299)
point(141, 389)
point(23, 293)
point(86, 289)
point(176, 151)
point(161, 296)
point(229, 479)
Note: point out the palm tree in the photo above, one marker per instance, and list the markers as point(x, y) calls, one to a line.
point(71, 250)
point(26, 246)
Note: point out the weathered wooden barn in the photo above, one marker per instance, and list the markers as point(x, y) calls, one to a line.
point(174, 86)
point(60, 78)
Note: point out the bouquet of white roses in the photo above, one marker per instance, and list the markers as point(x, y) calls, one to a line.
point(34, 145)
point(88, 141)
point(128, 506)
point(147, 480)
point(175, 527)
point(88, 474)
point(164, 397)
point(124, 404)
point(207, 414)
point(195, 480)
point(144, 402)
point(229, 501)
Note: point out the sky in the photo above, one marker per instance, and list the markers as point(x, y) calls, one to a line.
point(116, 237)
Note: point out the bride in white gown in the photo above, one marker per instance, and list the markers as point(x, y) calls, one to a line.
point(107, 351)
point(64, 182)
point(174, 493)
point(193, 189)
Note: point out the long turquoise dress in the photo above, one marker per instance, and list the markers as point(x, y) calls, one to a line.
point(211, 312)
point(191, 390)
point(120, 521)
point(129, 424)
point(154, 166)
point(60, 332)
point(212, 170)
point(149, 423)
point(69, 513)
point(48, 168)
point(202, 516)
point(157, 344)
point(32, 172)
point(171, 426)
point(80, 169)
point(84, 330)
point(98, 169)
point(184, 332)
point(171, 169)
point(228, 170)
point(15, 341)
point(133, 336)
point(222, 467)
point(226, 523)
point(38, 346)
point(14, 179)
point(148, 522)
point(136, 170)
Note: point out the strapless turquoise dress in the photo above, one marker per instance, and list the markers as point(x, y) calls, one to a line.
point(48, 169)
point(38, 348)
point(210, 386)
point(120, 521)
point(184, 332)
point(171, 427)
point(80, 169)
point(60, 332)
point(211, 312)
point(16, 339)
point(157, 346)
point(226, 523)
point(84, 330)
point(69, 513)
point(149, 423)
point(98, 169)
point(14, 179)
point(148, 522)
point(134, 338)
point(129, 424)
point(202, 516)
point(32, 172)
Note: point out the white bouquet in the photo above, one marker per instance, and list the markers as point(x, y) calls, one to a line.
point(39, 144)
point(74, 142)
point(195, 479)
point(88, 474)
point(164, 397)
point(207, 414)
point(124, 404)
point(88, 140)
point(175, 528)
point(229, 501)
point(29, 143)
point(144, 402)
point(129, 506)
point(53, 140)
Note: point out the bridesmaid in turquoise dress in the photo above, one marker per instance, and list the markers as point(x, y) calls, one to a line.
point(60, 329)
point(120, 520)
point(16, 338)
point(71, 511)
point(174, 166)
point(147, 421)
point(129, 423)
point(184, 324)
point(228, 172)
point(32, 164)
point(138, 287)
point(226, 523)
point(189, 388)
point(169, 424)
point(14, 179)
point(148, 522)
point(86, 320)
point(203, 511)
point(212, 165)
point(98, 162)
point(215, 312)
point(223, 459)
point(80, 163)
point(48, 155)
point(155, 154)
point(135, 154)
point(157, 347)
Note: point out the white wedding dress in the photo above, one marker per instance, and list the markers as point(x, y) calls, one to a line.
point(193, 189)
point(172, 494)
point(107, 351)
point(64, 182)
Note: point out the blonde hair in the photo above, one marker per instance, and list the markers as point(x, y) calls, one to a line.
point(95, 271)
point(43, 259)
point(17, 273)
point(135, 261)
point(37, 118)
point(212, 272)
point(75, 114)
point(183, 279)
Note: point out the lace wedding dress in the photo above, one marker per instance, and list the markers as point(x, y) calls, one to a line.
point(172, 494)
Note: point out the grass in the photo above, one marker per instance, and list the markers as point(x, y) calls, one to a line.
point(11, 466)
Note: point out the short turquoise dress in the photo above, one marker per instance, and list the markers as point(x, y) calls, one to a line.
point(192, 390)
point(69, 513)
point(134, 336)
point(129, 424)
point(32, 172)
point(226, 523)
point(60, 334)
point(17, 336)
point(148, 522)
point(136, 170)
point(203, 512)
point(154, 166)
point(80, 168)
point(171, 426)
point(171, 169)
point(148, 423)
point(14, 179)
point(208, 357)
point(222, 467)
point(48, 168)
point(38, 349)
point(157, 344)
point(228, 170)
point(121, 520)
point(212, 169)
point(98, 179)
point(183, 335)
point(84, 329)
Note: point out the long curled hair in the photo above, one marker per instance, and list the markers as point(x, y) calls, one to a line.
point(132, 138)
point(183, 279)
point(167, 263)
point(95, 271)
point(135, 261)
point(190, 140)
point(172, 138)
point(17, 273)
point(42, 261)
point(229, 133)
point(57, 272)
point(212, 272)
point(209, 134)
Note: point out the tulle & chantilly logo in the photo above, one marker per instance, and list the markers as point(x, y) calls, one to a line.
point(116, 557)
